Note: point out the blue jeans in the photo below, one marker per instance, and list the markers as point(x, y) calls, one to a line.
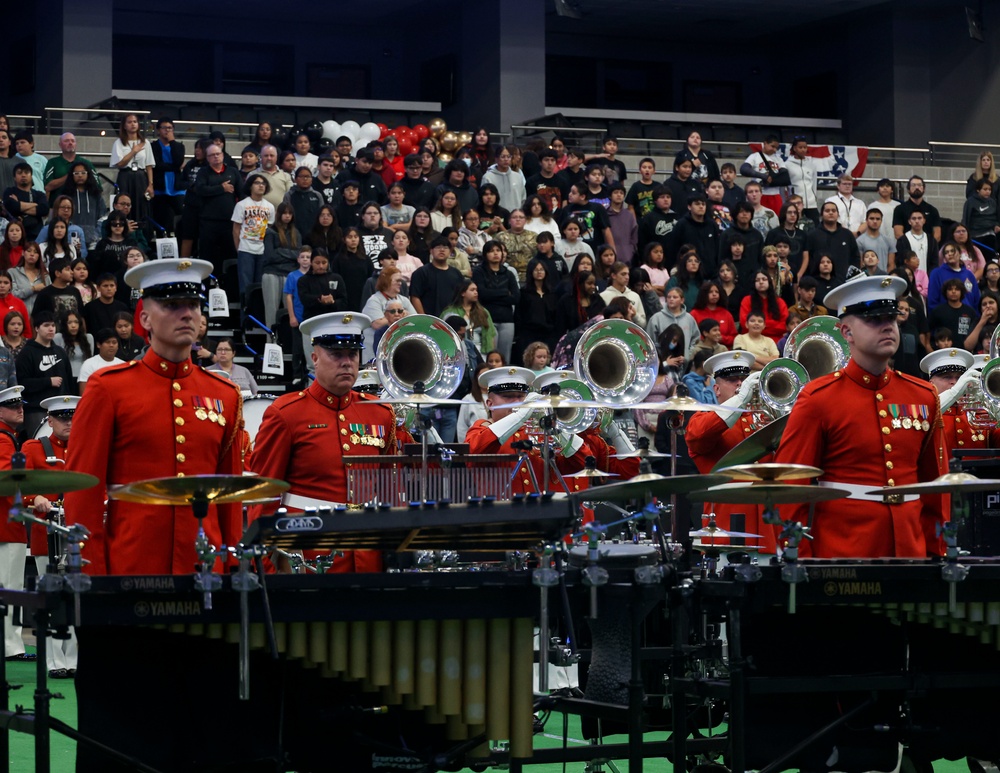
point(249, 269)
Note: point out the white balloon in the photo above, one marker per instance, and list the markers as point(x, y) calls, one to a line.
point(350, 128)
point(369, 132)
point(331, 130)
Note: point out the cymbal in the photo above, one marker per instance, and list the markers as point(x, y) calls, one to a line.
point(769, 471)
point(717, 533)
point(701, 546)
point(416, 399)
point(543, 402)
point(949, 483)
point(44, 481)
point(641, 453)
point(767, 493)
point(753, 447)
point(588, 473)
point(660, 487)
point(217, 489)
point(684, 405)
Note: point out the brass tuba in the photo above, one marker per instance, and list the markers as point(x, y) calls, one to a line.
point(981, 401)
point(618, 361)
point(420, 353)
point(818, 346)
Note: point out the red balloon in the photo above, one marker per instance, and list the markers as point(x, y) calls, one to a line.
point(406, 146)
point(422, 132)
point(401, 131)
point(414, 137)
point(382, 130)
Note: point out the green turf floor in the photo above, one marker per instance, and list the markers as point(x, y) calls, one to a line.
point(22, 754)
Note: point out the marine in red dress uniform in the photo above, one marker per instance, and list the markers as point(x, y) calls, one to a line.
point(156, 417)
point(709, 437)
point(867, 427)
point(497, 434)
point(60, 654)
point(12, 535)
point(303, 436)
point(951, 373)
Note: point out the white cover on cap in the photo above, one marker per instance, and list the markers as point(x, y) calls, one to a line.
point(507, 375)
point(725, 360)
point(864, 289)
point(60, 403)
point(338, 323)
point(945, 357)
point(165, 272)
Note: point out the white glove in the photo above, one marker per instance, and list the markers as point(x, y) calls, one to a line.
point(505, 428)
point(616, 437)
point(950, 396)
point(741, 398)
point(568, 443)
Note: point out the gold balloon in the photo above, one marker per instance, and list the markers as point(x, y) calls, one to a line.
point(464, 138)
point(437, 127)
point(444, 158)
point(449, 142)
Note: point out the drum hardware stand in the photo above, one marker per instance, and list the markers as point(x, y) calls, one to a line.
point(205, 579)
point(544, 577)
point(244, 582)
point(792, 534)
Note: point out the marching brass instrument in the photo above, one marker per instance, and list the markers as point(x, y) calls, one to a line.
point(420, 350)
point(818, 346)
point(814, 348)
point(575, 420)
point(981, 400)
point(618, 361)
point(780, 383)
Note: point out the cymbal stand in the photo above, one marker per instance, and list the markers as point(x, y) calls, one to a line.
point(205, 579)
point(792, 534)
point(952, 572)
point(594, 575)
point(543, 578)
point(244, 582)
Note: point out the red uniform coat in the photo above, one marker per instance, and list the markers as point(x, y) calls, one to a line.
point(9, 531)
point(35, 455)
point(708, 439)
point(151, 419)
point(302, 439)
point(959, 434)
point(852, 425)
point(481, 440)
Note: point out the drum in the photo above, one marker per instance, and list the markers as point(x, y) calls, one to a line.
point(42, 430)
point(253, 412)
point(617, 556)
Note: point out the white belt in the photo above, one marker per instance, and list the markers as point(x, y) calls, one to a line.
point(305, 503)
point(860, 492)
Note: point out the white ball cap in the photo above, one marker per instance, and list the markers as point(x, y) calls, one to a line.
point(866, 296)
point(170, 278)
point(947, 361)
point(507, 379)
point(60, 403)
point(727, 364)
point(338, 330)
point(11, 396)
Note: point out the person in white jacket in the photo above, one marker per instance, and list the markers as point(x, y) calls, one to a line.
point(508, 181)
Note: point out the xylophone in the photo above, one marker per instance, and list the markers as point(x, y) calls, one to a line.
point(873, 656)
point(449, 651)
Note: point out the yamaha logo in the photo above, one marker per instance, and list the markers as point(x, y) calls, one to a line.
point(299, 523)
point(141, 609)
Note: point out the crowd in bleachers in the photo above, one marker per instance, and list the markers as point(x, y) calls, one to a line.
point(526, 246)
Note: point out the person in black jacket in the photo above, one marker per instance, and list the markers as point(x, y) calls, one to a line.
point(698, 229)
point(218, 188)
point(371, 184)
point(168, 188)
point(321, 291)
point(499, 293)
point(43, 369)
